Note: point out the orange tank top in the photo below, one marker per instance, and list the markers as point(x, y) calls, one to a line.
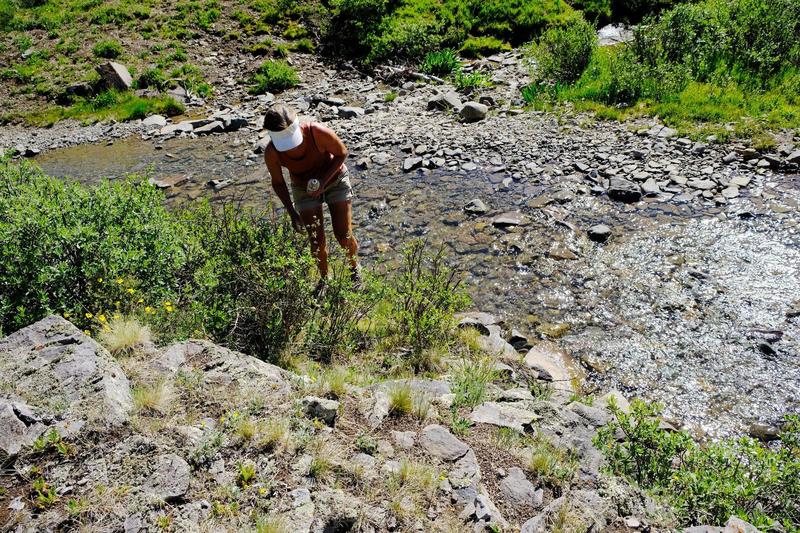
point(311, 164)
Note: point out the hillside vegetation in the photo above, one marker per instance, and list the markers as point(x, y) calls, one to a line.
point(48, 47)
point(115, 263)
point(731, 65)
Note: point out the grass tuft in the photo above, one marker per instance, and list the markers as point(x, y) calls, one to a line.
point(124, 335)
point(401, 401)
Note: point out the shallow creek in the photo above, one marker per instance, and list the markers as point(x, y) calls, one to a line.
point(685, 304)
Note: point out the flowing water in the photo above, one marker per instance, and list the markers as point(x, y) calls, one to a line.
point(685, 305)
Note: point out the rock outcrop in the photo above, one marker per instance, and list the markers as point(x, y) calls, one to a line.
point(214, 435)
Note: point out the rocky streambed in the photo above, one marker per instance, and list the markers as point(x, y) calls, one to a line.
point(665, 267)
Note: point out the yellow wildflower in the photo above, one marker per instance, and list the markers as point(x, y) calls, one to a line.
point(120, 280)
point(117, 315)
point(89, 315)
point(101, 318)
point(66, 315)
point(131, 291)
point(262, 491)
point(140, 301)
point(170, 309)
point(99, 280)
point(87, 332)
point(167, 303)
point(148, 309)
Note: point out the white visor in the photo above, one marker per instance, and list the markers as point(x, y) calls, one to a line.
point(291, 137)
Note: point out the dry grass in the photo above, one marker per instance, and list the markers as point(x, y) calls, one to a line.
point(124, 335)
point(325, 458)
point(333, 383)
point(276, 436)
point(411, 489)
point(151, 398)
point(271, 524)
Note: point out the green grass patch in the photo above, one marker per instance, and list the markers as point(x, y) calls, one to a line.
point(274, 76)
point(441, 63)
point(701, 67)
point(108, 49)
point(106, 105)
point(708, 483)
point(483, 46)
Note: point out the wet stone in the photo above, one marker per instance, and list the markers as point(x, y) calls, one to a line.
point(476, 207)
point(599, 233)
point(624, 191)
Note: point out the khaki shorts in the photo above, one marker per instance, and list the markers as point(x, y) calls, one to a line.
point(339, 191)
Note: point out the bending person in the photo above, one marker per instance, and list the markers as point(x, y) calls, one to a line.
point(314, 156)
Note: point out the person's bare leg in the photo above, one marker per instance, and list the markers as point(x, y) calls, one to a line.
point(313, 221)
point(342, 215)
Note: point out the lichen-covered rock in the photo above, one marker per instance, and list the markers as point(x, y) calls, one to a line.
point(439, 442)
point(221, 366)
point(503, 415)
point(170, 479)
point(52, 366)
point(518, 491)
point(18, 427)
point(321, 408)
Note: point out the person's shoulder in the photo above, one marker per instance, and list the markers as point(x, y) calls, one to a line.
point(270, 152)
point(319, 127)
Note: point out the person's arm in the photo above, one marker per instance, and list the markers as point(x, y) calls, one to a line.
point(328, 141)
point(279, 185)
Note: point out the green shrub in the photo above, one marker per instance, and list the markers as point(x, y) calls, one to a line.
point(262, 48)
point(517, 22)
point(707, 484)
point(250, 280)
point(57, 239)
point(441, 63)
point(563, 53)
point(107, 49)
point(304, 46)
point(7, 11)
point(152, 77)
point(597, 11)
point(378, 29)
point(274, 76)
point(469, 82)
point(426, 294)
point(483, 46)
point(333, 327)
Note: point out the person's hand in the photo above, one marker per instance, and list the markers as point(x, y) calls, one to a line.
point(297, 222)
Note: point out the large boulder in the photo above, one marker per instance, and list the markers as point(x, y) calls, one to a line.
point(51, 362)
point(224, 367)
point(115, 76)
point(473, 111)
